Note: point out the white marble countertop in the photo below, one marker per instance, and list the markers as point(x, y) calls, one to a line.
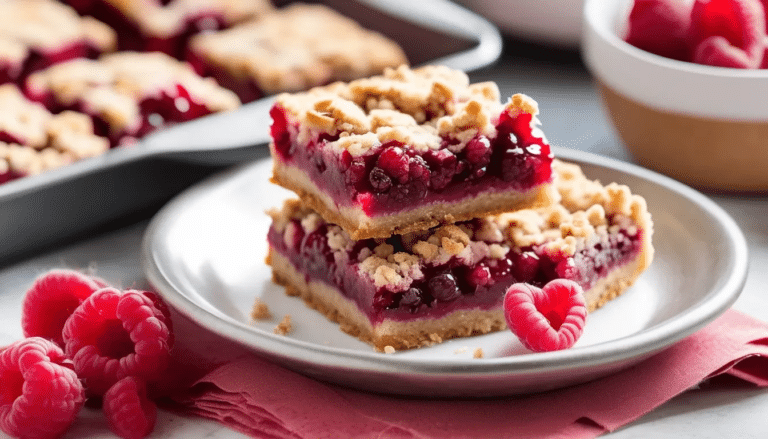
point(572, 117)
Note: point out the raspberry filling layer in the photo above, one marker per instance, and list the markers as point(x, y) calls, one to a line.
point(453, 285)
point(165, 108)
point(392, 177)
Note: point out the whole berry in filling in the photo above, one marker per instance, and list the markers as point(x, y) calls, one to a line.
point(546, 319)
point(394, 161)
point(51, 300)
point(40, 396)
point(116, 334)
point(131, 415)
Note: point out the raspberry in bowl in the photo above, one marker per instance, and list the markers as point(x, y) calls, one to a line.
point(704, 125)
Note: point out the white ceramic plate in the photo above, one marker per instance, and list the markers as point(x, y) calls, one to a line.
point(204, 252)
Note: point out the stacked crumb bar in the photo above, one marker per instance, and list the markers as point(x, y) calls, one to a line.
point(422, 198)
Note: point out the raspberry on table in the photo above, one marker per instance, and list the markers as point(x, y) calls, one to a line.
point(131, 415)
point(546, 319)
point(51, 300)
point(115, 334)
point(40, 396)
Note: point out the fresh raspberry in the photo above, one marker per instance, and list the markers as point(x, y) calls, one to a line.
point(717, 51)
point(660, 27)
point(740, 26)
point(130, 413)
point(764, 64)
point(115, 334)
point(39, 395)
point(547, 319)
point(51, 300)
point(394, 161)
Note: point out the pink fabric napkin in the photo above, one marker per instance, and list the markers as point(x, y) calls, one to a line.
point(262, 399)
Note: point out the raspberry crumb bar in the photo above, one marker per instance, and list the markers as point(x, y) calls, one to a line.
point(32, 140)
point(409, 150)
point(129, 94)
point(166, 25)
point(35, 34)
point(420, 288)
point(292, 49)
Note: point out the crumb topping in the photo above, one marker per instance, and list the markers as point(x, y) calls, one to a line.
point(114, 86)
point(41, 140)
point(47, 25)
point(587, 214)
point(389, 349)
point(167, 19)
point(298, 47)
point(478, 353)
point(419, 108)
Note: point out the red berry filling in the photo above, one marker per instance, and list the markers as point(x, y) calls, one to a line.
point(10, 175)
point(40, 396)
point(130, 413)
point(391, 177)
point(116, 334)
point(451, 285)
point(724, 33)
point(51, 299)
point(546, 319)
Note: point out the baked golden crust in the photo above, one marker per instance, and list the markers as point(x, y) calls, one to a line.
point(298, 47)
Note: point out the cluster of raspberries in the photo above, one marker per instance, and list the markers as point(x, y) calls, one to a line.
point(84, 339)
point(722, 33)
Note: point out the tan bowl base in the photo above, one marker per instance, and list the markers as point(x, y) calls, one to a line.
point(710, 154)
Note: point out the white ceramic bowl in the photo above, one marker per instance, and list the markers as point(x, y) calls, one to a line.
point(706, 126)
point(553, 22)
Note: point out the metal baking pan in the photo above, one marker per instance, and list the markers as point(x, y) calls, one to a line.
point(73, 201)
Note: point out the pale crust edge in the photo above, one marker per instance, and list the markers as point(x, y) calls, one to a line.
point(359, 226)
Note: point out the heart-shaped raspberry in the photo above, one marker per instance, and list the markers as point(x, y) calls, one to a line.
point(547, 319)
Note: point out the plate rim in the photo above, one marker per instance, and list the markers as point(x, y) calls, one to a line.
point(634, 346)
